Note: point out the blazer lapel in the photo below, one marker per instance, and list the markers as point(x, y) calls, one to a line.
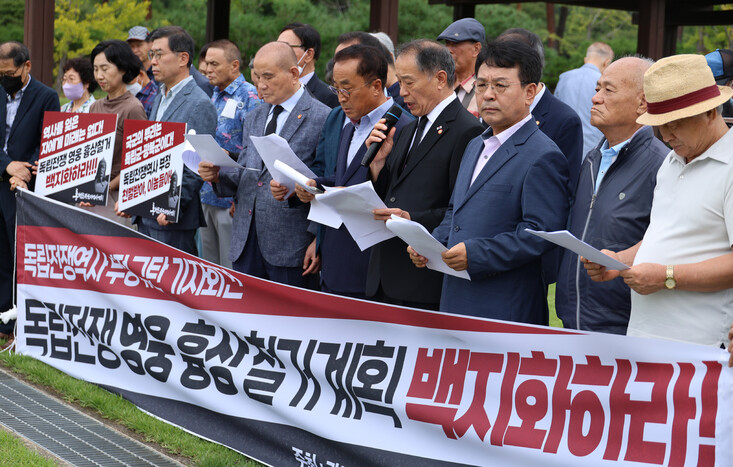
point(355, 164)
point(296, 117)
point(178, 100)
point(540, 112)
point(25, 103)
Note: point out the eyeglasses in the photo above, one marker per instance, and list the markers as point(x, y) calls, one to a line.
point(498, 87)
point(10, 74)
point(347, 92)
point(156, 54)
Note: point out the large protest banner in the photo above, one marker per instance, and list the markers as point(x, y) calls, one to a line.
point(294, 377)
point(75, 159)
point(152, 168)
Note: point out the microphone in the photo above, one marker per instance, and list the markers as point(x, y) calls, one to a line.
point(392, 116)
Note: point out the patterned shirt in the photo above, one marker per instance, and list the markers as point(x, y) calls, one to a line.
point(232, 104)
point(84, 109)
point(146, 96)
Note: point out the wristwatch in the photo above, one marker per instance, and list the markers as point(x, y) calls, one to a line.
point(669, 282)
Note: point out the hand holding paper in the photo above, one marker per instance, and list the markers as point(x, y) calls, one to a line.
point(273, 148)
point(567, 240)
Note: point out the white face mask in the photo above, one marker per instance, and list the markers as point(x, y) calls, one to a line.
point(300, 68)
point(134, 88)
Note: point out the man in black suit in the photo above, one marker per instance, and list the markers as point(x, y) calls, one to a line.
point(415, 173)
point(306, 43)
point(23, 100)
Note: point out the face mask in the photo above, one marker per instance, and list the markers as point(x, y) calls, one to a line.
point(134, 88)
point(11, 84)
point(300, 68)
point(73, 91)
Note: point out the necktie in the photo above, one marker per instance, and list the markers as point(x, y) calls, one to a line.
point(421, 122)
point(272, 124)
point(347, 132)
point(606, 161)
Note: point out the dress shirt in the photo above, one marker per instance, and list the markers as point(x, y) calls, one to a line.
point(464, 88)
point(288, 107)
point(306, 78)
point(364, 127)
point(83, 109)
point(608, 157)
point(11, 110)
point(432, 116)
point(146, 96)
point(493, 142)
point(167, 97)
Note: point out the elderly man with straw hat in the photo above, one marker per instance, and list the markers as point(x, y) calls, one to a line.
point(682, 270)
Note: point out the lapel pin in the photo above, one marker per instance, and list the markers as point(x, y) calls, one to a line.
point(440, 130)
point(300, 116)
point(536, 121)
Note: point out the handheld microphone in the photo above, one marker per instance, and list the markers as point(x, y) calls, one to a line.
point(392, 116)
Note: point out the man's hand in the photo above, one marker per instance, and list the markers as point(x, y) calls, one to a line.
point(730, 346)
point(386, 214)
point(278, 191)
point(232, 209)
point(417, 260)
point(16, 182)
point(456, 257)
point(120, 213)
point(209, 172)
point(311, 261)
point(303, 195)
point(162, 220)
point(600, 273)
point(645, 278)
point(20, 169)
point(375, 136)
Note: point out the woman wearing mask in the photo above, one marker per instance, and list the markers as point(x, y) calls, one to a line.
point(78, 85)
point(114, 66)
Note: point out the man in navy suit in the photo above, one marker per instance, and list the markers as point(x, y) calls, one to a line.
point(415, 176)
point(511, 177)
point(269, 239)
point(23, 100)
point(359, 74)
point(306, 43)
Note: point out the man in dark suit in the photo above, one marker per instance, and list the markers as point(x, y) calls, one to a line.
point(416, 172)
point(23, 100)
point(269, 239)
point(179, 99)
point(512, 177)
point(306, 43)
point(359, 74)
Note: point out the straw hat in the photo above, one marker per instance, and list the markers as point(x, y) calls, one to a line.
point(678, 87)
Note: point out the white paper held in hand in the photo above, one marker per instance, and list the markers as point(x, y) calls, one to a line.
point(295, 177)
point(272, 148)
point(567, 240)
point(417, 236)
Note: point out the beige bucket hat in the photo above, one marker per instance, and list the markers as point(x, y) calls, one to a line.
point(678, 87)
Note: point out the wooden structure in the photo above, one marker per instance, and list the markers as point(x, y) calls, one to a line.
point(658, 22)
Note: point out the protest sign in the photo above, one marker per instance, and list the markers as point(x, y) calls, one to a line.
point(75, 158)
point(152, 168)
point(296, 377)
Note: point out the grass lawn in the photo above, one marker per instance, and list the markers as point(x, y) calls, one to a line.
point(114, 408)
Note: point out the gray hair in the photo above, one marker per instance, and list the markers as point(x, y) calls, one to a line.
point(431, 57)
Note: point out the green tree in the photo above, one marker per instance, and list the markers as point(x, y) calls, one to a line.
point(11, 20)
point(82, 24)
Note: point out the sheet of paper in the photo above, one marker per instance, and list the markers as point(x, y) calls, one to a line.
point(209, 150)
point(420, 240)
point(230, 108)
point(354, 205)
point(272, 148)
point(567, 240)
point(190, 157)
point(296, 177)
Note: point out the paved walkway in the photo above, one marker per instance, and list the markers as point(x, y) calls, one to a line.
point(68, 434)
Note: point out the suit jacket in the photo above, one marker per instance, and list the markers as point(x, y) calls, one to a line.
point(24, 141)
point(523, 185)
point(423, 189)
point(192, 107)
point(320, 91)
point(343, 264)
point(282, 231)
point(562, 124)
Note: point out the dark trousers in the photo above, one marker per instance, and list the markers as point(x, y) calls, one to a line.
point(253, 263)
point(380, 296)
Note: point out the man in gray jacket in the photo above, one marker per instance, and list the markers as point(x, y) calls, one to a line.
point(269, 238)
point(613, 198)
point(179, 100)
